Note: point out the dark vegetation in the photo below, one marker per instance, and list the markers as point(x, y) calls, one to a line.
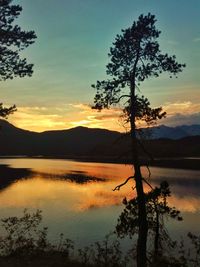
point(24, 242)
point(157, 210)
point(12, 41)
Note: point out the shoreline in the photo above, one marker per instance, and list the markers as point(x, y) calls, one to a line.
point(188, 163)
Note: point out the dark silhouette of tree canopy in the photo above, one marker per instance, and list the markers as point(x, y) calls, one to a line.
point(157, 209)
point(12, 41)
point(135, 57)
point(4, 112)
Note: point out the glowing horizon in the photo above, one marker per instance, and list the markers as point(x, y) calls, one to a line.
point(41, 119)
point(70, 54)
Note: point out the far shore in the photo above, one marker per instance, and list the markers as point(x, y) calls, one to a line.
point(190, 163)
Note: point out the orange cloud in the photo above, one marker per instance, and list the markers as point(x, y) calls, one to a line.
point(108, 118)
point(78, 114)
point(37, 119)
point(63, 117)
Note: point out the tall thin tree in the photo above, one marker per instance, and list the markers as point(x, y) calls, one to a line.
point(135, 57)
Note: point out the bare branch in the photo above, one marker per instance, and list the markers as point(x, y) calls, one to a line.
point(148, 171)
point(137, 87)
point(122, 96)
point(119, 186)
point(147, 183)
point(133, 188)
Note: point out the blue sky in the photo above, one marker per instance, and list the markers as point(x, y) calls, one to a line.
point(70, 53)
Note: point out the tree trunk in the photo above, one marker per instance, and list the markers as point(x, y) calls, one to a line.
point(157, 235)
point(142, 216)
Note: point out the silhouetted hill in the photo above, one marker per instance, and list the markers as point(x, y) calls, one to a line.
point(77, 141)
point(96, 143)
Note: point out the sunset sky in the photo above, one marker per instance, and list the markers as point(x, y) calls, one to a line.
point(70, 54)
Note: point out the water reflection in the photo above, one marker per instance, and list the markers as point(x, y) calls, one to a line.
point(92, 182)
point(75, 193)
point(77, 197)
point(11, 175)
point(78, 177)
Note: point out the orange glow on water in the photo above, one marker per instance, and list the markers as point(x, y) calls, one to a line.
point(87, 210)
point(46, 188)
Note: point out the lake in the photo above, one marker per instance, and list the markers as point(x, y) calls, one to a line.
point(77, 198)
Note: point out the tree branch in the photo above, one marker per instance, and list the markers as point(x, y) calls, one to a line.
point(119, 186)
point(148, 171)
point(122, 96)
point(133, 188)
point(148, 183)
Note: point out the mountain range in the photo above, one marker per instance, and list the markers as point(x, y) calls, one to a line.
point(97, 143)
point(175, 132)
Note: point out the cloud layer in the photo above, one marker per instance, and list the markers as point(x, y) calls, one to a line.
point(179, 113)
point(75, 114)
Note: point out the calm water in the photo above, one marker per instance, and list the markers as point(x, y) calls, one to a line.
point(77, 198)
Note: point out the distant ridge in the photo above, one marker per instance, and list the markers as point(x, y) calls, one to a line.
point(97, 143)
point(177, 132)
point(77, 141)
point(156, 132)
